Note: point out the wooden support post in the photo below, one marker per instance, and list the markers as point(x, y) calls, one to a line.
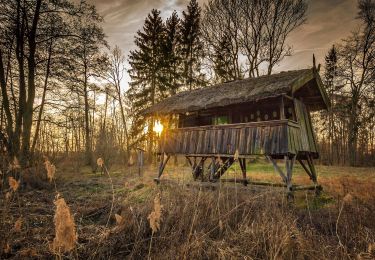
point(220, 169)
point(201, 163)
point(189, 161)
point(314, 176)
point(312, 169)
point(163, 163)
point(213, 166)
point(277, 169)
point(282, 114)
point(289, 162)
point(242, 162)
point(198, 168)
point(305, 168)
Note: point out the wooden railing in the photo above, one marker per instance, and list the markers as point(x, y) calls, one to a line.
point(278, 137)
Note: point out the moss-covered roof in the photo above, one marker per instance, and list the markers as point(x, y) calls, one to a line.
point(246, 90)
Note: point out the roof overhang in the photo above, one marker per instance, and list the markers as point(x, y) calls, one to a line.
point(305, 84)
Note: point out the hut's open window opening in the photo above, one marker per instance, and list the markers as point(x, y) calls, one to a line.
point(289, 113)
point(220, 120)
point(274, 109)
point(173, 122)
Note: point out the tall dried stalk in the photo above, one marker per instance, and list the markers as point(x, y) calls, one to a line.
point(65, 228)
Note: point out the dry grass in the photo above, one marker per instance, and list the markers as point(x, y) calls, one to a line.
point(196, 223)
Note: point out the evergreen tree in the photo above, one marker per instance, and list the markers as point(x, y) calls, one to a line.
point(222, 63)
point(172, 53)
point(192, 46)
point(147, 84)
point(330, 75)
point(330, 69)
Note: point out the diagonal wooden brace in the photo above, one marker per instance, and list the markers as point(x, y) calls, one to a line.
point(277, 169)
point(163, 163)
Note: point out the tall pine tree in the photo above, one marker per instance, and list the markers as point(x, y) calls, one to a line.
point(172, 53)
point(223, 64)
point(147, 84)
point(192, 46)
point(330, 75)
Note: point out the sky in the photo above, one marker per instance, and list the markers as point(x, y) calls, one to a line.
point(328, 21)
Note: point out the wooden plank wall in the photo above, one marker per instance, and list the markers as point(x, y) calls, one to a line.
point(307, 135)
point(256, 138)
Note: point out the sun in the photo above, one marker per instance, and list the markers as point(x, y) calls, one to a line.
point(158, 127)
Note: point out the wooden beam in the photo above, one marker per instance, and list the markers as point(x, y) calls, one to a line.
point(312, 168)
point(288, 97)
point(260, 183)
point(213, 166)
point(198, 168)
point(305, 168)
point(189, 161)
point(253, 183)
point(242, 162)
point(289, 163)
point(163, 163)
point(277, 169)
point(282, 114)
point(221, 169)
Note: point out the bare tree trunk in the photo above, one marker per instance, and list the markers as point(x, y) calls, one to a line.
point(29, 108)
point(43, 98)
point(88, 150)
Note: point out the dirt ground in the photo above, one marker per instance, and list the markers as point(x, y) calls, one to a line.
point(90, 198)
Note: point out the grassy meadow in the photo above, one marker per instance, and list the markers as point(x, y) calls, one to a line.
point(230, 221)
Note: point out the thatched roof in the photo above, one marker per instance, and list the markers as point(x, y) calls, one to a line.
point(242, 91)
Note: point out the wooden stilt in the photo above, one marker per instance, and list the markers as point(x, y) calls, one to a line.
point(305, 168)
point(198, 168)
point(314, 176)
point(163, 163)
point(277, 169)
point(220, 169)
point(189, 161)
point(289, 162)
point(202, 168)
point(312, 168)
point(213, 166)
point(243, 169)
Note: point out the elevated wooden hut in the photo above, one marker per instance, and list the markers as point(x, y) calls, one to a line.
point(268, 115)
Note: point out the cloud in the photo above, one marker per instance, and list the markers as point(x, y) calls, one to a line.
point(328, 21)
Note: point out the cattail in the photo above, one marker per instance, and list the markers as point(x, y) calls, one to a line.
point(371, 247)
point(18, 225)
point(220, 161)
point(65, 229)
point(15, 164)
point(348, 198)
point(155, 216)
point(7, 248)
point(131, 160)
point(100, 162)
point(51, 169)
point(8, 195)
point(28, 252)
point(236, 155)
point(119, 219)
point(13, 183)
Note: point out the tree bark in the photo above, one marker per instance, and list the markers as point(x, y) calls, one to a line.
point(43, 99)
